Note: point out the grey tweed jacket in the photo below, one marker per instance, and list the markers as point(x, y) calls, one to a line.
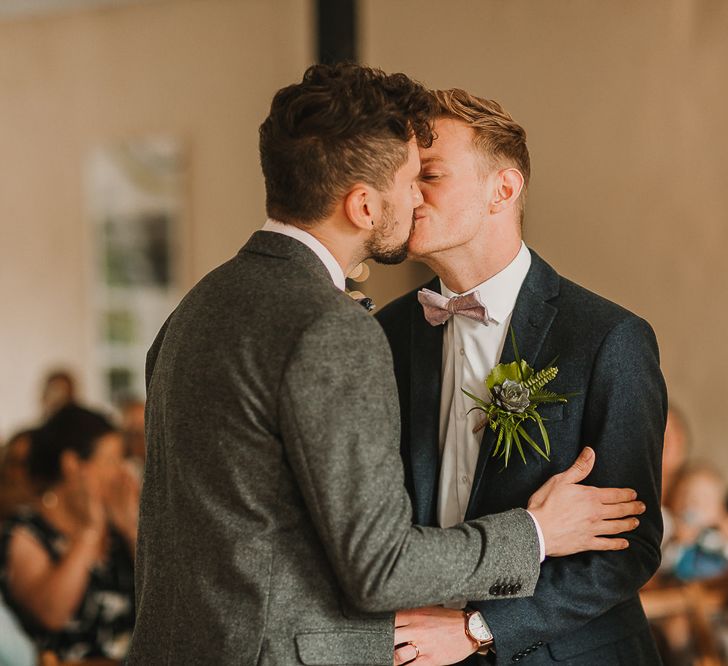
point(275, 526)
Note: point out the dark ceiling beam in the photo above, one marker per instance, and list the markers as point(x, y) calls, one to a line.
point(337, 31)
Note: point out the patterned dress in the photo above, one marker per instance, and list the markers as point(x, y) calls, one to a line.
point(103, 623)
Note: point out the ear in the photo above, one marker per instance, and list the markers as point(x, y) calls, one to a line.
point(363, 206)
point(508, 186)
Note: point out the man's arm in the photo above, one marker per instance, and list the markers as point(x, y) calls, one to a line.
point(339, 417)
point(624, 420)
point(439, 633)
point(339, 424)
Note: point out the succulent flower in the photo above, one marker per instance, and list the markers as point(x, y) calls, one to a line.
point(516, 392)
point(511, 396)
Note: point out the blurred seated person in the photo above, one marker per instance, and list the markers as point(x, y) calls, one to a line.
point(16, 649)
point(66, 564)
point(16, 489)
point(59, 390)
point(698, 547)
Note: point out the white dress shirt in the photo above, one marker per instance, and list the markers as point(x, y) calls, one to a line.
point(322, 252)
point(470, 350)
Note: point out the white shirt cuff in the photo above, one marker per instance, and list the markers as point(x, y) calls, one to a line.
point(541, 542)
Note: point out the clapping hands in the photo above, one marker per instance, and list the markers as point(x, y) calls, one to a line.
point(121, 503)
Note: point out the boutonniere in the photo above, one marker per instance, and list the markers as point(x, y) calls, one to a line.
point(516, 392)
point(366, 302)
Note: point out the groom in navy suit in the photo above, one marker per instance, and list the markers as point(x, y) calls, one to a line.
point(586, 608)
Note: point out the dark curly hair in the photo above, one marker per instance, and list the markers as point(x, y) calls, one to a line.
point(72, 428)
point(340, 125)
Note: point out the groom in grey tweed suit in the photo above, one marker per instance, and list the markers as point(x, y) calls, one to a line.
point(275, 526)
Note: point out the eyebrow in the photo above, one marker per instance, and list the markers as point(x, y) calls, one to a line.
point(428, 160)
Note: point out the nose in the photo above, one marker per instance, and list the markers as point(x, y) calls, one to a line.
point(417, 198)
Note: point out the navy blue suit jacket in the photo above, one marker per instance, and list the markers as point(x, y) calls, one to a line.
point(586, 607)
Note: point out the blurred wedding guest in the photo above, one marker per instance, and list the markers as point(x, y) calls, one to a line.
point(59, 390)
point(16, 649)
point(698, 547)
point(16, 489)
point(674, 457)
point(132, 430)
point(66, 564)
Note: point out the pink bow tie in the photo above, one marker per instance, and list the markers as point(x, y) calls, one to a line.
point(438, 308)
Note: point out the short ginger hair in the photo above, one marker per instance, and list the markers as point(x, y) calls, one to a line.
point(497, 137)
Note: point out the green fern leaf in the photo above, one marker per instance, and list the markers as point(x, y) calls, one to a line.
point(540, 379)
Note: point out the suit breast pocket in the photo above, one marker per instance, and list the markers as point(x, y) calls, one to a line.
point(505, 487)
point(550, 413)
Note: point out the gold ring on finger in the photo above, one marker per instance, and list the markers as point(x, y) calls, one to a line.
point(417, 650)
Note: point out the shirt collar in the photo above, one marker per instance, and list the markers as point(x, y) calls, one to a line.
point(499, 293)
point(315, 245)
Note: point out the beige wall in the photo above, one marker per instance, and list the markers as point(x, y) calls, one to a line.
point(625, 104)
point(202, 70)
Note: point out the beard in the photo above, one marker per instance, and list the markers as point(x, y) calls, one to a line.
point(377, 247)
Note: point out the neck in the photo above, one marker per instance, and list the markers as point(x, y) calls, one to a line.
point(339, 239)
point(466, 266)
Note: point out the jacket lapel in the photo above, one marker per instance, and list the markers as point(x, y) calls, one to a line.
point(531, 321)
point(425, 386)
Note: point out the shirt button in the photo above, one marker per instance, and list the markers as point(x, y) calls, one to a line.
point(462, 352)
point(464, 478)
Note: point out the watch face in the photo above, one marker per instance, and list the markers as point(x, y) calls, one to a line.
point(478, 628)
